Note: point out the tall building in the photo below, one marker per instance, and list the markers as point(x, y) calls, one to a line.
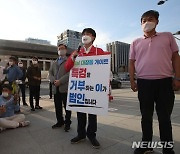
point(119, 56)
point(70, 38)
point(37, 41)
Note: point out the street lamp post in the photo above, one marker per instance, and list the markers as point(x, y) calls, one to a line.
point(161, 2)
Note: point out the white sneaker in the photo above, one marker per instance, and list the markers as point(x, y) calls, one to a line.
point(24, 123)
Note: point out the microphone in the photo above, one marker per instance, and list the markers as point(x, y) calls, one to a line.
point(78, 49)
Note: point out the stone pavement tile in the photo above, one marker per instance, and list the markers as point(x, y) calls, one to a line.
point(122, 147)
point(176, 132)
point(38, 122)
point(116, 133)
point(176, 120)
point(130, 124)
point(111, 118)
point(18, 141)
point(49, 135)
point(63, 146)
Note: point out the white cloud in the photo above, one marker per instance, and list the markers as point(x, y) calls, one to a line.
point(81, 25)
point(129, 38)
point(102, 39)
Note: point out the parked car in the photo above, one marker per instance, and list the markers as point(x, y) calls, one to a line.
point(116, 83)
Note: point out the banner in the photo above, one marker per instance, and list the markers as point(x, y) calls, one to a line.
point(89, 85)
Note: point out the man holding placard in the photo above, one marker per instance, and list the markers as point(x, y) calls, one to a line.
point(84, 105)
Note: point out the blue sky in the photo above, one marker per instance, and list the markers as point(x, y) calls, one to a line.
point(113, 20)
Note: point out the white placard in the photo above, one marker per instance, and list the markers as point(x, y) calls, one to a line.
point(89, 85)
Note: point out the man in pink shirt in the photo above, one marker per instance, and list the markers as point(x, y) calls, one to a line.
point(155, 59)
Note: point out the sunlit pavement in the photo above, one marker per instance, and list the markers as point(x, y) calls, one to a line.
point(116, 132)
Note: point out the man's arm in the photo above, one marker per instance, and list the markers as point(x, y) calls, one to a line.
point(51, 74)
point(70, 61)
point(176, 67)
point(64, 79)
point(28, 74)
point(19, 73)
point(131, 74)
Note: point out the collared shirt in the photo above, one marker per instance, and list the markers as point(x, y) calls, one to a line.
point(88, 49)
point(153, 55)
point(13, 73)
point(60, 60)
point(10, 106)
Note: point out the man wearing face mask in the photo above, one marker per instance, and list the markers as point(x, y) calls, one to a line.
point(59, 78)
point(8, 104)
point(22, 83)
point(12, 71)
point(34, 81)
point(154, 58)
point(88, 37)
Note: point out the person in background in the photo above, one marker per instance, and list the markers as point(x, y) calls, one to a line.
point(88, 37)
point(34, 81)
point(22, 83)
point(59, 78)
point(8, 104)
point(2, 76)
point(154, 57)
point(12, 71)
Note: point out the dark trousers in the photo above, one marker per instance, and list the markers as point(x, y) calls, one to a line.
point(59, 100)
point(23, 92)
point(50, 89)
point(0, 88)
point(161, 92)
point(92, 125)
point(34, 92)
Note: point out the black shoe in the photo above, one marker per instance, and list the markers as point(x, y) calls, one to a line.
point(57, 125)
point(143, 151)
point(77, 139)
point(25, 104)
point(95, 143)
point(38, 107)
point(168, 151)
point(67, 128)
point(32, 109)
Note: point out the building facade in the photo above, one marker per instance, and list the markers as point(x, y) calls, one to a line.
point(70, 38)
point(37, 41)
point(24, 51)
point(119, 56)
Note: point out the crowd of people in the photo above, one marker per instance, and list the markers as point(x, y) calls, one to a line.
point(154, 58)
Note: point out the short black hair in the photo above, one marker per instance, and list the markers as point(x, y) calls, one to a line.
point(35, 58)
point(13, 58)
point(89, 30)
point(8, 86)
point(63, 45)
point(153, 13)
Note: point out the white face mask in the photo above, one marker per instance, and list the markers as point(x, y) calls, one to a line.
point(61, 52)
point(10, 63)
point(86, 39)
point(5, 94)
point(34, 62)
point(20, 65)
point(148, 26)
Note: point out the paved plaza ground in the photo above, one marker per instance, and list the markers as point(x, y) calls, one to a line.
point(116, 132)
